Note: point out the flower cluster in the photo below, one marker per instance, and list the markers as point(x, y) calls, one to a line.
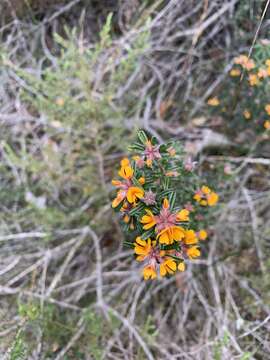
point(162, 206)
point(252, 103)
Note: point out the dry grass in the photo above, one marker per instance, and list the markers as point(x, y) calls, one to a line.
point(68, 288)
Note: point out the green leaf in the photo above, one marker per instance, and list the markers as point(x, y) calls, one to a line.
point(142, 136)
point(137, 209)
point(147, 234)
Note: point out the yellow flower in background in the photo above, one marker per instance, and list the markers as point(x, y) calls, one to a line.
point(167, 267)
point(253, 79)
point(235, 72)
point(171, 151)
point(181, 266)
point(247, 114)
point(206, 190)
point(245, 62)
point(262, 73)
point(190, 237)
point(267, 108)
point(202, 234)
point(205, 196)
point(241, 59)
point(267, 62)
point(193, 252)
point(212, 198)
point(214, 101)
point(149, 272)
point(171, 234)
point(148, 220)
point(267, 124)
point(183, 215)
point(134, 193)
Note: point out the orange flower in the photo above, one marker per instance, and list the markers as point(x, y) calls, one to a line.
point(183, 215)
point(235, 72)
point(212, 199)
point(119, 198)
point(245, 62)
point(134, 193)
point(247, 114)
point(267, 124)
point(193, 252)
point(253, 79)
point(149, 272)
point(148, 220)
point(213, 101)
point(205, 196)
point(143, 248)
point(142, 180)
point(190, 237)
point(126, 172)
point(202, 234)
point(181, 266)
point(267, 109)
point(262, 73)
point(171, 234)
point(167, 267)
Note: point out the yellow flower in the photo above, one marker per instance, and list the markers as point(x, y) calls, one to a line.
point(267, 109)
point(126, 218)
point(253, 79)
point(213, 101)
point(124, 162)
point(241, 59)
point(205, 196)
point(181, 266)
point(212, 198)
point(202, 234)
point(245, 62)
point(235, 72)
point(206, 190)
point(142, 180)
point(249, 65)
point(171, 151)
point(148, 162)
point(126, 172)
point(190, 237)
point(171, 173)
point(116, 182)
point(267, 124)
point(193, 252)
point(167, 267)
point(142, 248)
point(166, 203)
point(119, 198)
point(148, 220)
point(262, 73)
point(149, 272)
point(267, 62)
point(183, 215)
point(134, 193)
point(247, 114)
point(60, 101)
point(171, 234)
